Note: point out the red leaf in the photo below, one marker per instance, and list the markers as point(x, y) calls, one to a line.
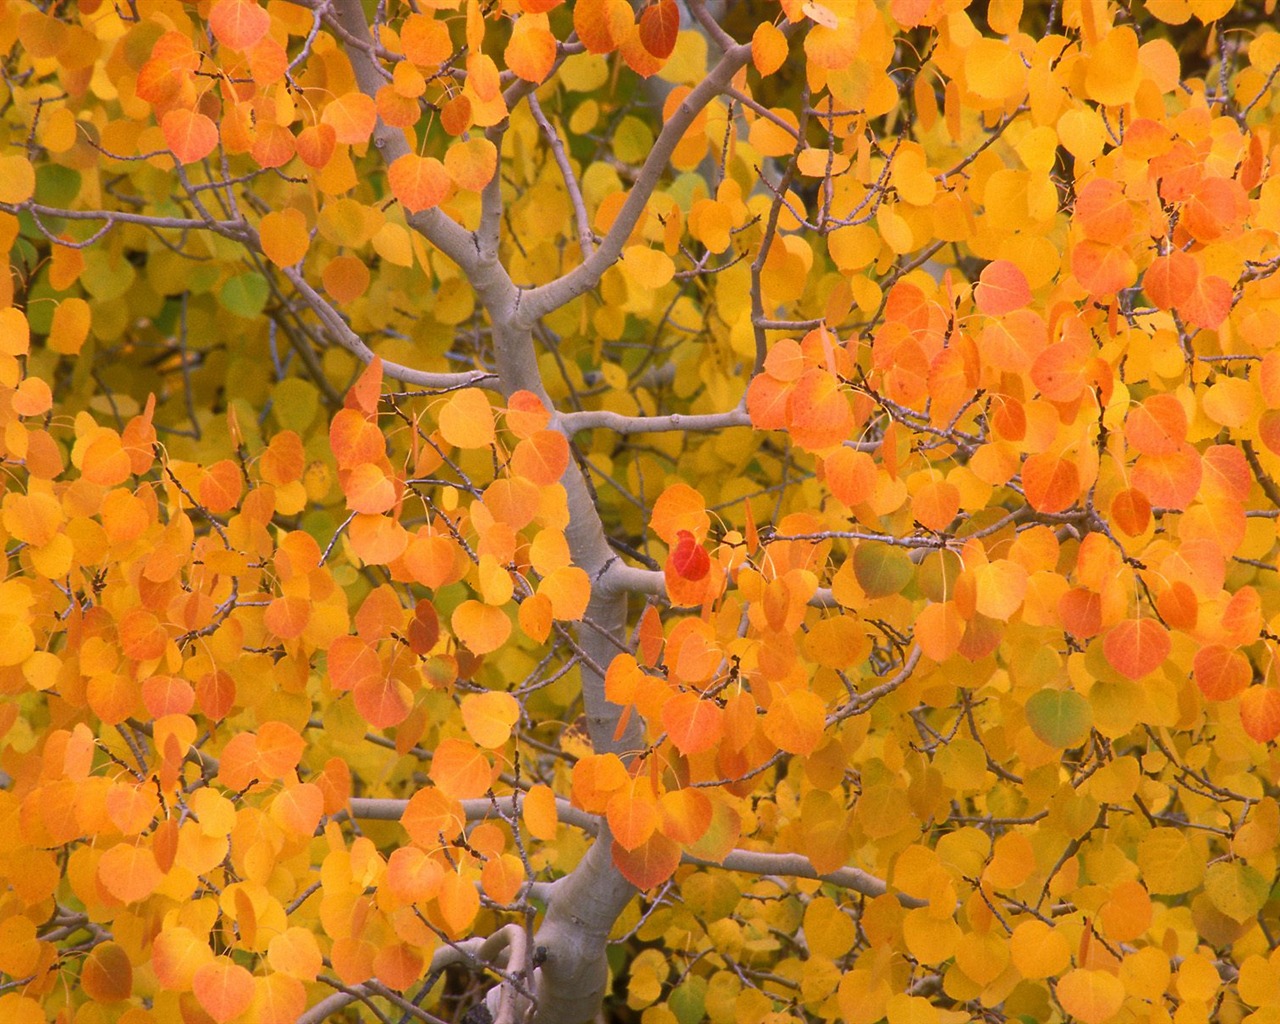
point(659, 27)
point(689, 559)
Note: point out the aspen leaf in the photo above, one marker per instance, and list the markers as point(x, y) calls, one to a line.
point(684, 815)
point(1222, 672)
point(648, 268)
point(1090, 995)
point(1051, 482)
point(129, 872)
point(458, 900)
point(502, 878)
point(1002, 288)
point(383, 701)
point(694, 725)
point(107, 975)
point(1059, 718)
point(632, 813)
point(431, 818)
point(531, 53)
point(659, 27)
point(1039, 950)
point(1168, 863)
point(490, 717)
point(224, 989)
point(768, 48)
point(413, 875)
point(649, 864)
point(315, 144)
point(483, 628)
point(190, 136)
point(1260, 713)
point(1136, 647)
point(471, 164)
point(420, 183)
point(541, 457)
point(538, 810)
point(466, 419)
point(352, 116)
point(238, 24)
point(18, 178)
point(460, 770)
point(795, 721)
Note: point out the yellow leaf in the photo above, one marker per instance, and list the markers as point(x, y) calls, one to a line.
point(649, 268)
point(490, 717)
point(284, 236)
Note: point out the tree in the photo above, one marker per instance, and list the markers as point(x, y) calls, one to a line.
point(760, 513)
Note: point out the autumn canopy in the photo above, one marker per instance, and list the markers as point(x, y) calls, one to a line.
point(686, 510)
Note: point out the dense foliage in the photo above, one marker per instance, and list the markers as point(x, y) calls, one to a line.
point(745, 511)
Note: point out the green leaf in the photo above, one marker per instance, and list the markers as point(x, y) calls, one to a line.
point(882, 570)
point(244, 295)
point(1059, 718)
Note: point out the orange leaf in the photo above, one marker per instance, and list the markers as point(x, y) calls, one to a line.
point(679, 508)
point(223, 988)
point(107, 974)
point(460, 769)
point(352, 116)
point(1222, 672)
point(418, 182)
point(471, 164)
point(412, 875)
point(1002, 288)
point(1135, 647)
point(383, 701)
point(694, 725)
point(1170, 278)
point(190, 136)
point(1156, 427)
point(685, 815)
point(795, 721)
point(541, 458)
point(1102, 269)
point(238, 23)
point(649, 864)
point(632, 813)
point(431, 818)
point(458, 901)
point(1051, 482)
point(591, 22)
point(483, 628)
point(539, 811)
point(1260, 713)
point(369, 489)
point(531, 53)
point(768, 48)
point(502, 877)
point(1207, 303)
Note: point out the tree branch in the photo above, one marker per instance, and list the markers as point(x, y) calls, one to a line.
point(573, 422)
point(540, 301)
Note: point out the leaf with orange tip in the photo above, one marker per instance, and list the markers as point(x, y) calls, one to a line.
point(1103, 269)
point(176, 955)
point(129, 872)
point(420, 183)
point(1207, 303)
point(1091, 996)
point(1002, 288)
point(315, 145)
point(223, 988)
point(591, 22)
point(685, 815)
point(190, 136)
point(649, 864)
point(818, 411)
point(298, 809)
point(1260, 713)
point(595, 778)
point(1136, 647)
